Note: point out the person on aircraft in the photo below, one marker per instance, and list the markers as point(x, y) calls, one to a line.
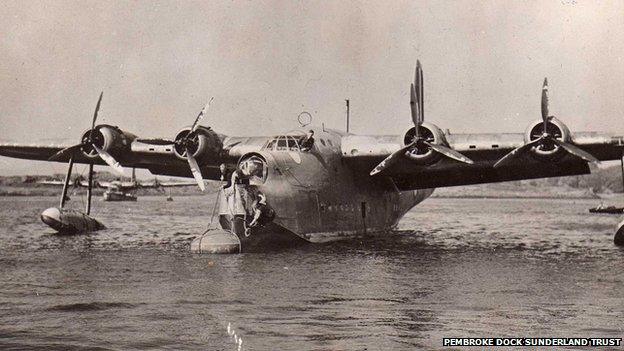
point(308, 141)
point(237, 189)
point(223, 171)
point(263, 214)
point(239, 177)
point(226, 181)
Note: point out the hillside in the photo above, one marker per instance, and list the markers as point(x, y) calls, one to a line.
point(28, 186)
point(600, 182)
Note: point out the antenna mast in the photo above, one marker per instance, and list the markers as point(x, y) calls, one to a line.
point(347, 101)
point(622, 164)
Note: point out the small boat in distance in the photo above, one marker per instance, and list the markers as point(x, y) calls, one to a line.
point(118, 195)
point(607, 209)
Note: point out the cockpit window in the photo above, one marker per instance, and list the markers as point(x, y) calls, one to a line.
point(292, 144)
point(281, 143)
point(271, 144)
point(284, 143)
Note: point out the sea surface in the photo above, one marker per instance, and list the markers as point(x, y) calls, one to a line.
point(454, 268)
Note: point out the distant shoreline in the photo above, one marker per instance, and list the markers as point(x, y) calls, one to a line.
point(502, 196)
point(439, 196)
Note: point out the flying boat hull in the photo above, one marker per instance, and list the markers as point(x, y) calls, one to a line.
point(118, 196)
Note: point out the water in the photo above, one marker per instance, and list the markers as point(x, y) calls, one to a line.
point(456, 267)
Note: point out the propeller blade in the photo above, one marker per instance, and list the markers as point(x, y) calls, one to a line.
point(517, 152)
point(97, 109)
point(390, 160)
point(195, 170)
point(545, 103)
point(156, 141)
point(66, 151)
point(448, 152)
point(576, 151)
point(420, 89)
point(200, 116)
point(414, 107)
point(110, 160)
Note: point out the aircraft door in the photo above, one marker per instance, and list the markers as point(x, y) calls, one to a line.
point(308, 211)
point(363, 210)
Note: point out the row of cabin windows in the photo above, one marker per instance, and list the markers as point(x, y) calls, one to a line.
point(349, 207)
point(341, 207)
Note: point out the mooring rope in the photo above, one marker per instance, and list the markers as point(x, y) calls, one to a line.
point(214, 210)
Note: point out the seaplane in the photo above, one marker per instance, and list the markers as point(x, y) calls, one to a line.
point(316, 184)
point(119, 190)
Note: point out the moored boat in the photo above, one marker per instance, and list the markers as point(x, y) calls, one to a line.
point(607, 209)
point(119, 196)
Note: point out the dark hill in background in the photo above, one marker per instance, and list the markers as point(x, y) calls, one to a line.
point(28, 186)
point(603, 181)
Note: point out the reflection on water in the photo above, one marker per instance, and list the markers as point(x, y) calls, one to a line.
point(455, 267)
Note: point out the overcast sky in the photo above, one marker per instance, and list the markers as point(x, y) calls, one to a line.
point(265, 62)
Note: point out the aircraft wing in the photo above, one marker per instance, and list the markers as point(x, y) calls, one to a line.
point(54, 182)
point(133, 153)
point(364, 153)
point(82, 183)
point(30, 151)
point(169, 184)
point(99, 183)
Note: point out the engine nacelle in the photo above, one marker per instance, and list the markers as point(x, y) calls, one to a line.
point(206, 144)
point(429, 132)
point(108, 138)
point(547, 150)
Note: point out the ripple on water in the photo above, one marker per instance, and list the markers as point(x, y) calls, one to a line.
point(90, 306)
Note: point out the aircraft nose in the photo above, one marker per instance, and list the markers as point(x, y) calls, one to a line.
point(51, 217)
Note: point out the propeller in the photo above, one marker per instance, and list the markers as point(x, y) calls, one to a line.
point(90, 142)
point(546, 138)
point(188, 140)
point(420, 143)
point(187, 143)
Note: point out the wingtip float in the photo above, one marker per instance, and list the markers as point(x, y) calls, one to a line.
point(618, 239)
point(70, 221)
point(216, 241)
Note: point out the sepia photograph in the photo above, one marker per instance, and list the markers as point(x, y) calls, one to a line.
point(311, 175)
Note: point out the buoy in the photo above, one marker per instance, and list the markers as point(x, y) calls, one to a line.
point(70, 221)
point(618, 239)
point(216, 241)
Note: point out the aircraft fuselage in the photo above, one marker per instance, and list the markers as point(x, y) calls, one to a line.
point(319, 198)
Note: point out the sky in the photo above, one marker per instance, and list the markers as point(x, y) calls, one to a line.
point(264, 62)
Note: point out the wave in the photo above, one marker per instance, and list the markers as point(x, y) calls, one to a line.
point(90, 306)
